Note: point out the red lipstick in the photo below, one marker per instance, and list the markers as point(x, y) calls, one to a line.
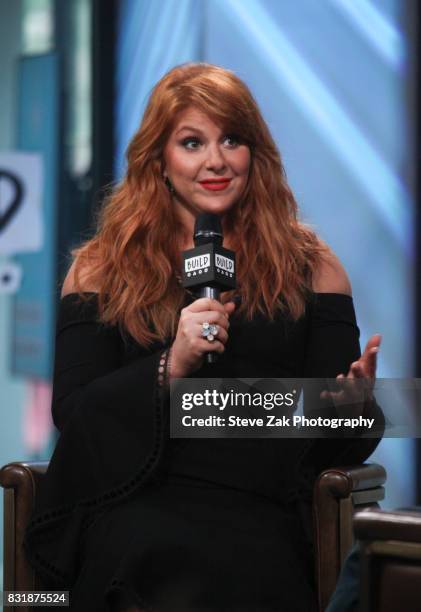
point(215, 184)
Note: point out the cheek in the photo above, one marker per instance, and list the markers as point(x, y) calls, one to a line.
point(242, 163)
point(181, 165)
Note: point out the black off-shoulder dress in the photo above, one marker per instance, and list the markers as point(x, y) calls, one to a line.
point(126, 513)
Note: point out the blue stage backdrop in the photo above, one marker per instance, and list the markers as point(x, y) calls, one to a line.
point(330, 78)
point(34, 303)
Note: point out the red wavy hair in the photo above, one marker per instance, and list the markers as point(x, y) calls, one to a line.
point(133, 258)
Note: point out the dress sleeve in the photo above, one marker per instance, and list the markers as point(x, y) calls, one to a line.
point(91, 357)
point(110, 409)
point(332, 345)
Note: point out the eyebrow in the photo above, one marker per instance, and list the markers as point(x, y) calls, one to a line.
point(189, 127)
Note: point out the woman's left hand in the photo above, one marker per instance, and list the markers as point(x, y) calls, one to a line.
point(357, 386)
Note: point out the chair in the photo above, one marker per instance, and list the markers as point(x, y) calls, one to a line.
point(390, 545)
point(20, 481)
point(338, 492)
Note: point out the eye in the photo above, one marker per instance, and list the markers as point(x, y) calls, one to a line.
point(234, 140)
point(191, 142)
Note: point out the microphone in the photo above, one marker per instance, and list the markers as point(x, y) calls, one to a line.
point(208, 268)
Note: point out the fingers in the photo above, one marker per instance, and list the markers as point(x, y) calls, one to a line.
point(210, 316)
point(190, 345)
point(352, 388)
point(374, 342)
point(372, 362)
point(372, 347)
point(206, 304)
point(190, 330)
point(212, 347)
point(335, 396)
point(229, 307)
point(189, 334)
point(364, 368)
point(212, 311)
point(356, 370)
point(369, 357)
point(358, 379)
point(221, 334)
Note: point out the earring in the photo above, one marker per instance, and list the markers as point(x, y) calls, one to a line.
point(169, 185)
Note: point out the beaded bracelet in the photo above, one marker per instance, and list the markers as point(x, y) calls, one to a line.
point(164, 368)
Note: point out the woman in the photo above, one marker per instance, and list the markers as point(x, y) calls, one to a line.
point(129, 519)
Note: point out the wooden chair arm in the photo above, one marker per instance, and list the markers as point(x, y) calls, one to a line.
point(21, 474)
point(338, 492)
point(390, 549)
point(20, 481)
point(341, 482)
point(403, 525)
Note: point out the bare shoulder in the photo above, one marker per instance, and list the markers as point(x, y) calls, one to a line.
point(331, 276)
point(69, 284)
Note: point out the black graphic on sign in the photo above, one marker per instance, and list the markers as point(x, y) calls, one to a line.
point(9, 208)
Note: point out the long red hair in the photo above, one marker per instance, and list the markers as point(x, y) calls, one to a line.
point(133, 258)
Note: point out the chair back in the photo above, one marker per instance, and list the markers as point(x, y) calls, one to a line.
point(390, 559)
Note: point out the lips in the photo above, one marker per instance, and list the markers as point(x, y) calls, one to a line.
point(215, 184)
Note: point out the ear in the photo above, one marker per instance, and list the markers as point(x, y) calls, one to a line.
point(163, 170)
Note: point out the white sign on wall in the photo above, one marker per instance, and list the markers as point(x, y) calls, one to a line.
point(10, 277)
point(21, 184)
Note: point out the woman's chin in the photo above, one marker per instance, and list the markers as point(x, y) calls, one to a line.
point(216, 207)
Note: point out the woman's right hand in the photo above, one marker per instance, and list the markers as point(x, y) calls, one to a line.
point(189, 347)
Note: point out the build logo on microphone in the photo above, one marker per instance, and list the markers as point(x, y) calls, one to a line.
point(197, 265)
point(224, 265)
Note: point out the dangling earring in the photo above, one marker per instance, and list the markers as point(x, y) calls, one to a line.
point(169, 185)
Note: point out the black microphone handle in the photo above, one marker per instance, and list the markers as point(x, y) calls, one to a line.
point(214, 294)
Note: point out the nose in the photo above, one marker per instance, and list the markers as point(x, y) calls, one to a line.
point(215, 159)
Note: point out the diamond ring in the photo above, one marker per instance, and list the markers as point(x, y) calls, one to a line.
point(209, 331)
